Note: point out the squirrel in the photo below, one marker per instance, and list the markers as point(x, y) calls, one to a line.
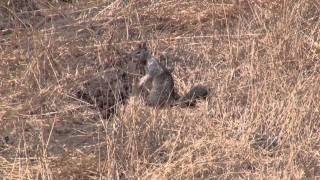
point(162, 91)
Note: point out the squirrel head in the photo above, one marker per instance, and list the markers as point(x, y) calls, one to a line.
point(140, 54)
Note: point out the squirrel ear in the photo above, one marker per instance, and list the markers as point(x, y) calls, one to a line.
point(143, 45)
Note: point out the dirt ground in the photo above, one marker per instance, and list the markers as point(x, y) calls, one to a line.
point(69, 108)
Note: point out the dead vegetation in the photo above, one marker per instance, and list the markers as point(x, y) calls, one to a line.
point(66, 109)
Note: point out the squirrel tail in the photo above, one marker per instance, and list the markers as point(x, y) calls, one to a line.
point(189, 99)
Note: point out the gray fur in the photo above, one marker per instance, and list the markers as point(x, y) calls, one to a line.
point(162, 91)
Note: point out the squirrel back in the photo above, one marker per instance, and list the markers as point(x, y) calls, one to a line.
point(162, 91)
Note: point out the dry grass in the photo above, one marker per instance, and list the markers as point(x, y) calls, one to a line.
point(258, 58)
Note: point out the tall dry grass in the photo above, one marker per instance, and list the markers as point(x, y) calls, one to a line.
point(260, 60)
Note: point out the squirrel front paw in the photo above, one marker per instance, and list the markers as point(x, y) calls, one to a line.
point(143, 80)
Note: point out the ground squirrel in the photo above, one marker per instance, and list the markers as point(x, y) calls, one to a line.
point(162, 91)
